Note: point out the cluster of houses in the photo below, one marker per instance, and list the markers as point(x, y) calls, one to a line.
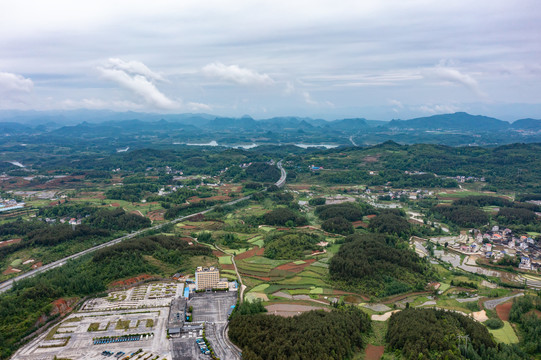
point(64, 220)
point(463, 179)
point(10, 204)
point(412, 195)
point(497, 243)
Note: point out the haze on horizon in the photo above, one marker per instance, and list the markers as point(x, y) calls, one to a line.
point(374, 59)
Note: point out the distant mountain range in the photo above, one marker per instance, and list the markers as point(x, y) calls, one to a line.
point(135, 129)
point(17, 121)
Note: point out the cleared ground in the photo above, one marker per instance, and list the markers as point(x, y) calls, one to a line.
point(138, 314)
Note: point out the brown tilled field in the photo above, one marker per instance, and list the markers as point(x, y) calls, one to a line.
point(503, 310)
point(292, 267)
point(249, 253)
point(374, 352)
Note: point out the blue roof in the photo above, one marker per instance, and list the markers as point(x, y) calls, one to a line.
point(186, 292)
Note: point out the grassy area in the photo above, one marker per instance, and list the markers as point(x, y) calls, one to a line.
point(444, 287)
point(150, 323)
point(260, 287)
point(93, 327)
point(258, 240)
point(506, 334)
point(122, 325)
point(225, 260)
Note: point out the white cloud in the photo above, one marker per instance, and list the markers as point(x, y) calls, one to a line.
point(94, 104)
point(396, 103)
point(135, 68)
point(438, 109)
point(290, 88)
point(194, 106)
point(308, 99)
point(236, 74)
point(137, 78)
point(453, 75)
point(15, 83)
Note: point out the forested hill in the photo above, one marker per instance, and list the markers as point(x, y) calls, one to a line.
point(378, 265)
point(456, 121)
point(136, 129)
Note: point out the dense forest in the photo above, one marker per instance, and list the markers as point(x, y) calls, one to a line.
point(284, 217)
point(513, 167)
point(526, 311)
point(291, 245)
point(470, 212)
point(378, 265)
point(440, 334)
point(312, 335)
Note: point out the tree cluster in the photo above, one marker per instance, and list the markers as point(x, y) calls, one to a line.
point(284, 217)
point(438, 334)
point(314, 335)
point(373, 264)
point(290, 245)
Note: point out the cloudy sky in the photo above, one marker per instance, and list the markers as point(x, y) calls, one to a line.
point(379, 59)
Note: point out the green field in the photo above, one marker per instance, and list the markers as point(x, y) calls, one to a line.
point(506, 334)
point(225, 260)
point(258, 240)
point(16, 262)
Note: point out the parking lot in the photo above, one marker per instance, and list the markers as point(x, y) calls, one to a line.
point(211, 308)
point(124, 323)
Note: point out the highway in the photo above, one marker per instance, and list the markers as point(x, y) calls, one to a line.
point(6, 285)
point(281, 182)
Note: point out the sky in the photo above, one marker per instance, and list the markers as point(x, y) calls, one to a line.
point(377, 59)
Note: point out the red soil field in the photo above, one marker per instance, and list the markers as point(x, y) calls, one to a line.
point(115, 204)
point(9, 242)
point(10, 270)
point(292, 267)
point(247, 254)
point(264, 278)
point(356, 224)
point(156, 215)
point(503, 311)
point(374, 352)
point(217, 253)
point(37, 265)
point(130, 281)
point(227, 267)
point(62, 306)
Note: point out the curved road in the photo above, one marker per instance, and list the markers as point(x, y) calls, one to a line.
point(6, 285)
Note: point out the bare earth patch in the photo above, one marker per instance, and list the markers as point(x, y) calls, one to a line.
point(480, 316)
point(383, 317)
point(503, 311)
point(292, 267)
point(374, 352)
point(287, 310)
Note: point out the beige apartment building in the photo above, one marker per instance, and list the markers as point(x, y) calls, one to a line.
point(209, 278)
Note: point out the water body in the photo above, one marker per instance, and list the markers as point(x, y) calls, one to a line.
point(16, 163)
point(326, 146)
point(212, 143)
point(254, 145)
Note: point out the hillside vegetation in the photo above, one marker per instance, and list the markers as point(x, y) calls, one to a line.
point(375, 265)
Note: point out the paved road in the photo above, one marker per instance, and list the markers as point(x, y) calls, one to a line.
point(6, 285)
point(281, 182)
point(491, 304)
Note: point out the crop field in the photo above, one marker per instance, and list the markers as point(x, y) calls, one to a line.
point(258, 240)
point(506, 334)
point(225, 260)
